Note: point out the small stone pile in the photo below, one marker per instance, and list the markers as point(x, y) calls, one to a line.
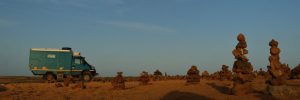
point(243, 70)
point(144, 78)
point(225, 73)
point(261, 72)
point(157, 75)
point(118, 82)
point(193, 75)
point(215, 75)
point(80, 85)
point(68, 80)
point(296, 72)
point(58, 85)
point(205, 75)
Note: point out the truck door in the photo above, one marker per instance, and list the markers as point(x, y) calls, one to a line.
point(77, 67)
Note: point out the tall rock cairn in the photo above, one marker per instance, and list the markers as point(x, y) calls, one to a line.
point(241, 66)
point(278, 71)
point(243, 70)
point(279, 74)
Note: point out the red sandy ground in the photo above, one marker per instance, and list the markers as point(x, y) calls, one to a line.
point(158, 90)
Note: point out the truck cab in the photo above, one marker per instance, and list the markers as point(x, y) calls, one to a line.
point(82, 67)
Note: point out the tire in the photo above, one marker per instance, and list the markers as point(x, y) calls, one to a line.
point(86, 76)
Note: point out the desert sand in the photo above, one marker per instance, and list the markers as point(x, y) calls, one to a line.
point(157, 90)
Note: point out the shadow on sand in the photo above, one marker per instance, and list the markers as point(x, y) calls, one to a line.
point(222, 89)
point(260, 94)
point(2, 88)
point(178, 95)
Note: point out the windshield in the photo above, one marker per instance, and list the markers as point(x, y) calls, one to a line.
point(81, 60)
point(85, 62)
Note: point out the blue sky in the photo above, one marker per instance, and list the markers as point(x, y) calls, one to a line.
point(137, 35)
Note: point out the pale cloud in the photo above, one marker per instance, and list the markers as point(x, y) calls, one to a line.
point(138, 26)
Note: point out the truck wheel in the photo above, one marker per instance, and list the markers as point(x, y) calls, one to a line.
point(49, 77)
point(86, 76)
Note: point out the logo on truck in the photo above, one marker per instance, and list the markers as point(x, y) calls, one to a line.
point(51, 56)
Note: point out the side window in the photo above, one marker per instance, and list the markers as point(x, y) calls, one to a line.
point(77, 61)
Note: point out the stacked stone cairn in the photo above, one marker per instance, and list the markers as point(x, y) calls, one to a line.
point(279, 73)
point(243, 70)
point(193, 75)
point(144, 78)
point(215, 75)
point(296, 72)
point(157, 75)
point(276, 69)
point(205, 75)
point(118, 82)
point(225, 73)
point(262, 74)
